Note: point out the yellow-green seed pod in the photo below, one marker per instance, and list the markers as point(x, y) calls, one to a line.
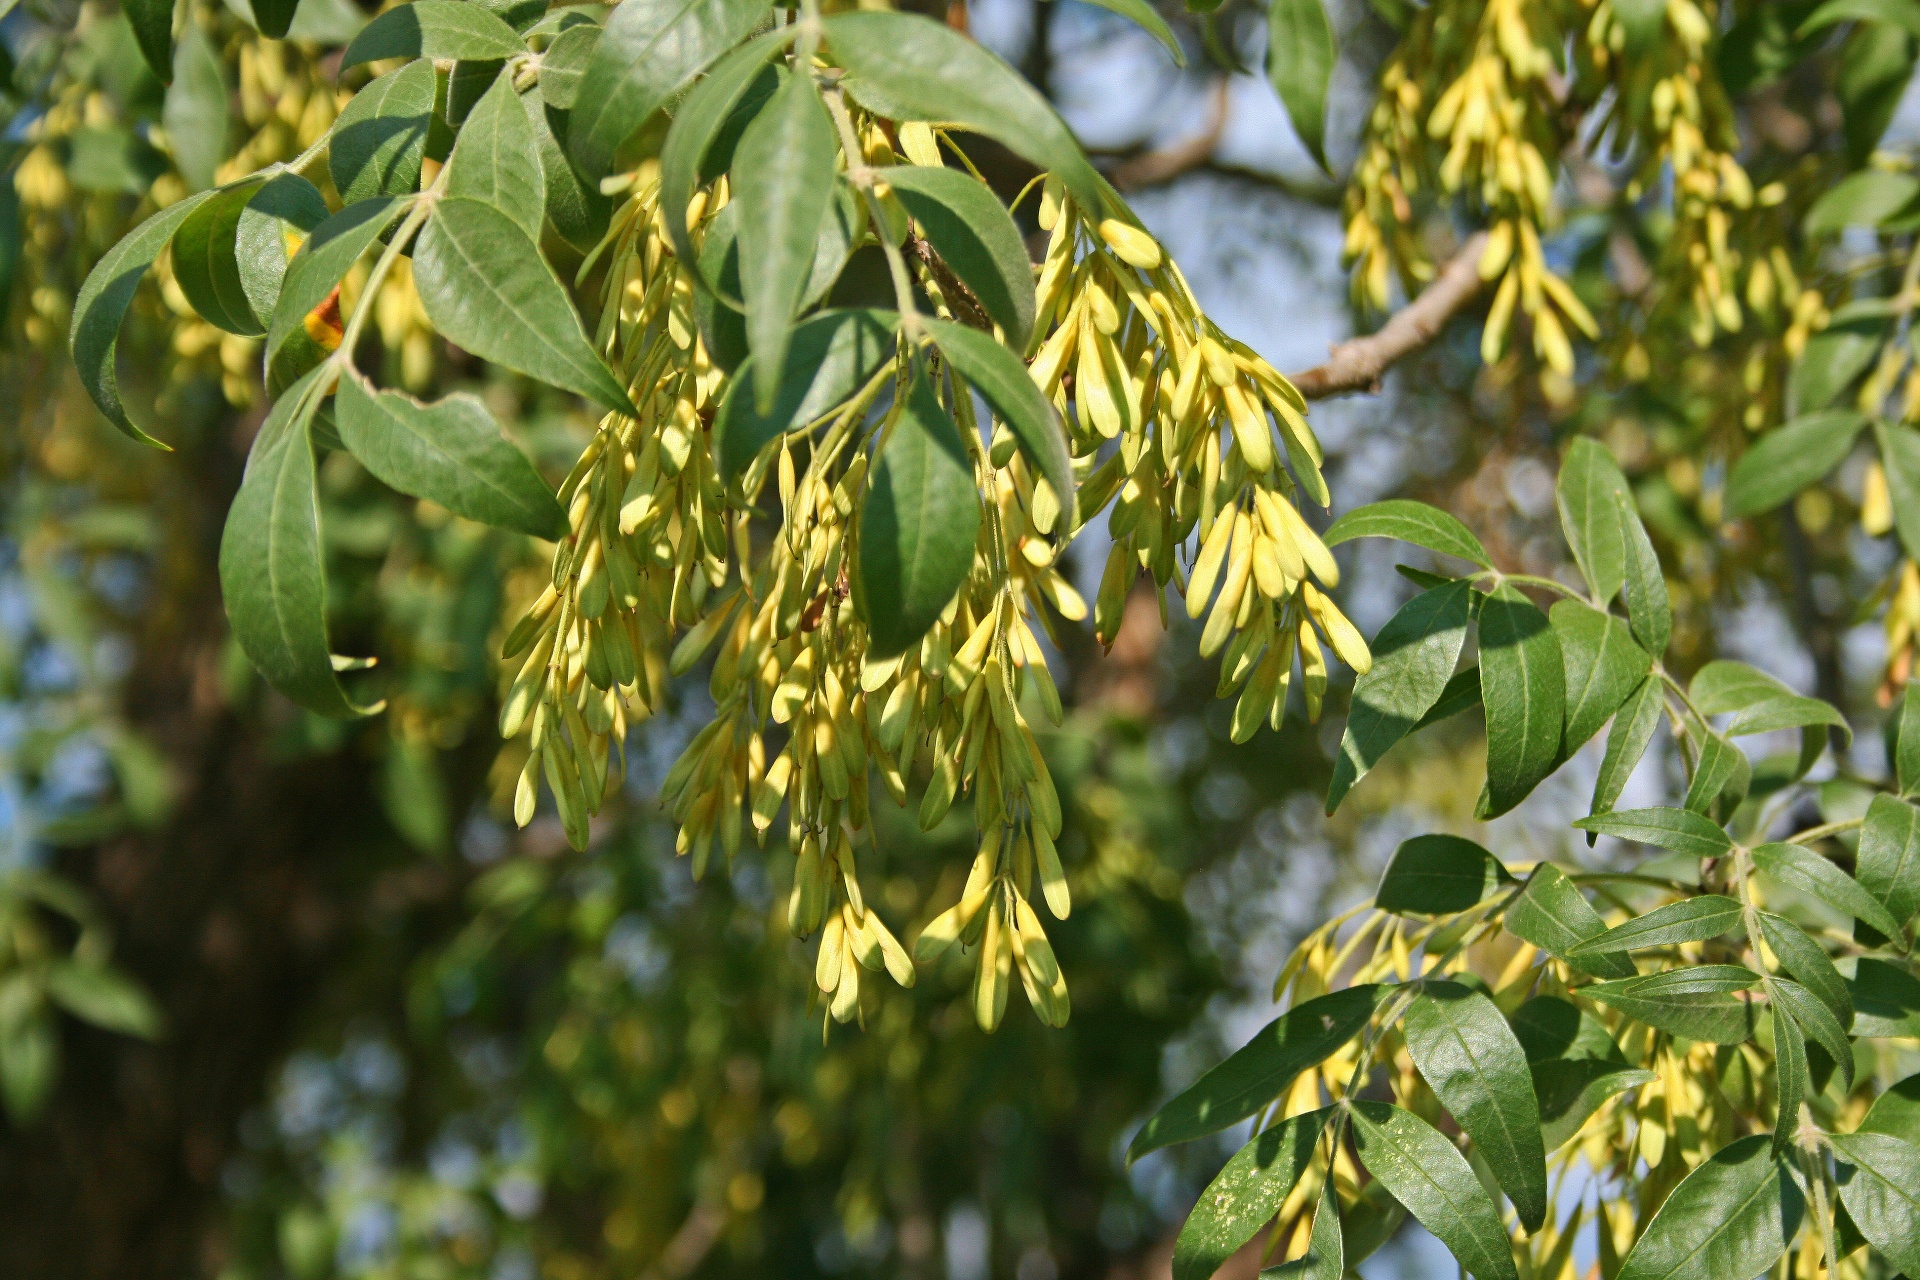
point(702, 634)
point(1341, 633)
point(1130, 244)
point(1239, 569)
point(1053, 878)
point(826, 965)
point(807, 903)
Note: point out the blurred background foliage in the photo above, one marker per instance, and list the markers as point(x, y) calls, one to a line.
point(285, 997)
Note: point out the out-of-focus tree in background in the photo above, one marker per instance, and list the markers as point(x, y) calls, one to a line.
point(282, 996)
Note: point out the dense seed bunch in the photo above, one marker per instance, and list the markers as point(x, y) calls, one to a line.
point(1171, 424)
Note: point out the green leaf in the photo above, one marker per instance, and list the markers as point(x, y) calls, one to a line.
point(1834, 359)
point(1807, 872)
point(832, 355)
point(1555, 916)
point(1900, 455)
point(1470, 1059)
point(102, 996)
point(1886, 1001)
point(1689, 920)
point(1523, 684)
point(1809, 963)
point(918, 524)
point(272, 565)
point(741, 82)
point(434, 29)
point(152, 22)
point(1001, 377)
point(230, 255)
point(1461, 692)
point(1900, 13)
point(1438, 875)
point(783, 180)
point(1604, 665)
point(1896, 1112)
point(1409, 521)
point(649, 51)
point(1759, 703)
point(1262, 1069)
point(1790, 1077)
point(906, 67)
point(497, 158)
point(1414, 655)
point(1817, 1020)
point(1867, 198)
point(1428, 1175)
point(1590, 515)
point(1734, 1215)
point(563, 65)
point(1300, 58)
point(1633, 726)
point(322, 262)
point(1682, 831)
point(1880, 1186)
point(1326, 1255)
point(194, 113)
point(1906, 752)
point(29, 1062)
point(1788, 459)
point(975, 236)
point(1569, 1090)
point(1246, 1194)
point(450, 451)
point(486, 287)
point(575, 207)
point(1648, 608)
point(103, 301)
point(1888, 863)
point(380, 138)
point(274, 18)
point(1696, 1003)
point(1876, 64)
point(1721, 770)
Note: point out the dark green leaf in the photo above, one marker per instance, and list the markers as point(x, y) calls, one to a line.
point(1880, 1185)
point(1001, 377)
point(1326, 1255)
point(783, 179)
point(1145, 15)
point(497, 159)
point(1461, 692)
point(272, 570)
point(1900, 455)
point(1409, 521)
point(1555, 916)
point(1428, 1175)
point(103, 302)
point(1863, 199)
point(1633, 726)
point(1300, 58)
point(1523, 684)
point(575, 207)
point(1646, 586)
point(285, 205)
point(29, 1062)
point(1643, 21)
point(206, 262)
point(104, 997)
point(1888, 863)
point(1695, 1003)
point(1886, 1001)
point(1722, 769)
point(1734, 1215)
point(275, 17)
point(1676, 829)
point(1759, 703)
point(1590, 515)
point(1906, 753)
point(1569, 1090)
point(1550, 1027)
point(1876, 63)
point(907, 67)
point(1470, 1059)
point(649, 52)
point(1262, 1069)
point(486, 287)
point(1817, 1020)
point(1604, 665)
point(918, 525)
point(1790, 458)
point(152, 22)
point(1834, 359)
point(434, 29)
point(1900, 13)
point(738, 82)
point(563, 64)
point(381, 136)
point(1807, 872)
point(1809, 963)
point(1438, 875)
point(195, 113)
point(1896, 1112)
point(1246, 1194)
point(1689, 920)
point(832, 355)
point(322, 262)
point(450, 451)
point(1413, 659)
point(976, 237)
point(1791, 1087)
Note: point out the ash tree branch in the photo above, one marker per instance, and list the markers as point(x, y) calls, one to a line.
point(1151, 168)
point(1360, 363)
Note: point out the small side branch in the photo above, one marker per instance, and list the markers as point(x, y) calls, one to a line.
point(1360, 363)
point(1150, 168)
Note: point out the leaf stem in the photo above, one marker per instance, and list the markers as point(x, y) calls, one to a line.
point(1824, 830)
point(862, 177)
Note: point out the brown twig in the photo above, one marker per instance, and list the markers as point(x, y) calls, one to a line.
point(1359, 363)
point(1152, 167)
